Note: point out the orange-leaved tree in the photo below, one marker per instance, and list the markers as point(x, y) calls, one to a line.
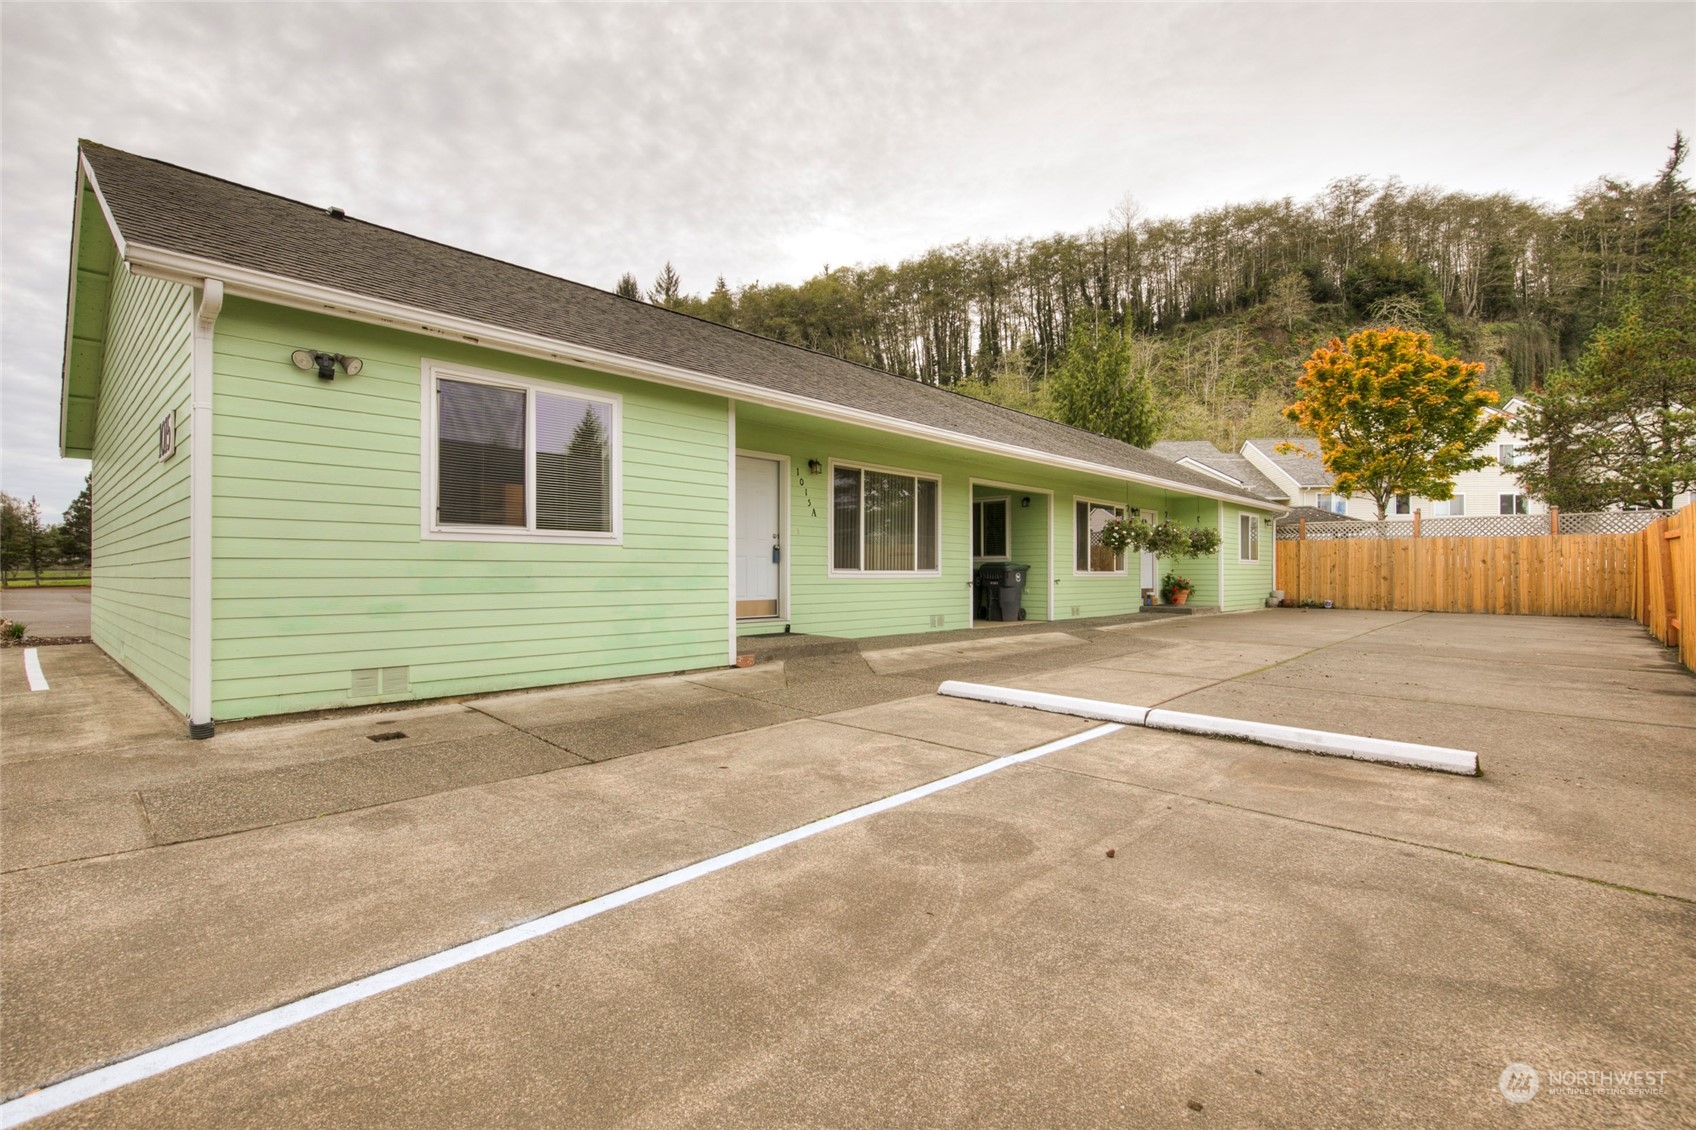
point(1392, 416)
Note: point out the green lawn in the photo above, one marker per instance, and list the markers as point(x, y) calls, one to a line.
point(49, 579)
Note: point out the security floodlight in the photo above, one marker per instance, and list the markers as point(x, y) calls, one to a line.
point(326, 363)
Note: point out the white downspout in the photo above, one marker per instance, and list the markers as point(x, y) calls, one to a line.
point(200, 724)
point(730, 476)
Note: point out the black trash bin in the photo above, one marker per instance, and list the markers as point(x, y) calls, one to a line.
point(1012, 591)
point(987, 586)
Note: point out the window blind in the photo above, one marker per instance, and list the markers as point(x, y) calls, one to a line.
point(480, 455)
point(573, 464)
point(884, 522)
point(846, 499)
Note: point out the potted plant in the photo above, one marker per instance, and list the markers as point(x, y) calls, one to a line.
point(1175, 589)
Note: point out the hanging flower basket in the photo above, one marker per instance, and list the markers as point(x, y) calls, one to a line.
point(1167, 539)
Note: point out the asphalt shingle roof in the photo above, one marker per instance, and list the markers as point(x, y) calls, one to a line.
point(160, 205)
point(1313, 514)
point(1225, 462)
point(1308, 470)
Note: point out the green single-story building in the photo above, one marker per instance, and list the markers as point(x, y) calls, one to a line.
point(338, 465)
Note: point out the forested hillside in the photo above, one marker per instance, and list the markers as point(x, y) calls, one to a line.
point(1224, 304)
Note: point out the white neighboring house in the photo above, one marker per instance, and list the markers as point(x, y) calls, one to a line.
point(1300, 478)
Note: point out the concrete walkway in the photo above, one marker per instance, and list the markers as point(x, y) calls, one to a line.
point(1277, 939)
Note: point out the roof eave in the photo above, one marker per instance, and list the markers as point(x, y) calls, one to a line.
point(86, 183)
point(245, 282)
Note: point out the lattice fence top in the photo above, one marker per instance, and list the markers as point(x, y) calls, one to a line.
point(1478, 526)
point(1610, 521)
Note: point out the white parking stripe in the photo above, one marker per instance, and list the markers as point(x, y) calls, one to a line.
point(149, 1064)
point(32, 669)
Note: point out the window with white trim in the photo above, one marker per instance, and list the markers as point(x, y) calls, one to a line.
point(1507, 454)
point(1403, 504)
point(1335, 503)
point(884, 521)
point(989, 529)
point(1089, 518)
point(527, 459)
point(1248, 538)
point(1513, 504)
point(1449, 507)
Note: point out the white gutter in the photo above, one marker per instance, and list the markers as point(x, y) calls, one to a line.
point(243, 282)
point(200, 724)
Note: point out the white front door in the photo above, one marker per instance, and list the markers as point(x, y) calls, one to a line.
point(759, 533)
point(1150, 571)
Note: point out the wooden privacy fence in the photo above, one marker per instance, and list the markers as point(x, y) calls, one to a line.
point(1663, 596)
point(1571, 575)
point(1649, 576)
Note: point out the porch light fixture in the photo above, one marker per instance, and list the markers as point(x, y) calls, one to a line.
point(814, 467)
point(1025, 502)
point(326, 363)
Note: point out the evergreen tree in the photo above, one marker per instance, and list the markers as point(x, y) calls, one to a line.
point(1619, 427)
point(720, 305)
point(667, 287)
point(14, 536)
point(587, 470)
point(1094, 388)
point(77, 530)
point(628, 287)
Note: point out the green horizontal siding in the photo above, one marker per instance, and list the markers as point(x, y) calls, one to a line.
point(872, 606)
point(139, 599)
point(321, 567)
point(1246, 583)
point(1202, 571)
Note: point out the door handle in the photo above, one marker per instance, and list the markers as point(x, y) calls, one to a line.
point(776, 555)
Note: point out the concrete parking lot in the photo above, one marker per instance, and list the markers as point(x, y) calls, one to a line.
point(1276, 939)
point(52, 612)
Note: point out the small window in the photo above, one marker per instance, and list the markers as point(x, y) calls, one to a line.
point(1335, 503)
point(883, 521)
point(1089, 519)
point(527, 460)
point(1248, 537)
point(1403, 504)
point(1507, 454)
point(1514, 504)
point(1449, 507)
point(989, 529)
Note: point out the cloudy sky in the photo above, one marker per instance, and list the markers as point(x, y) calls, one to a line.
point(764, 142)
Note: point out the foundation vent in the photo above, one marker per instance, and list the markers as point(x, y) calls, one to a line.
point(938, 621)
point(369, 682)
point(1076, 610)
